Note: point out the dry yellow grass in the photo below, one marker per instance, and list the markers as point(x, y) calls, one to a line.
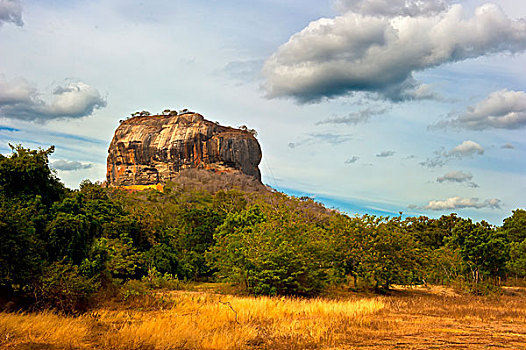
point(42, 328)
point(199, 320)
point(409, 319)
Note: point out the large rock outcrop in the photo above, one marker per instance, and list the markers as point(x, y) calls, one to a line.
point(148, 150)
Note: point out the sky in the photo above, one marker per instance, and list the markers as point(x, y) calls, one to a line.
point(369, 106)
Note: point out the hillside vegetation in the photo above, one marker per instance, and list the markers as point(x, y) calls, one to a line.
point(66, 249)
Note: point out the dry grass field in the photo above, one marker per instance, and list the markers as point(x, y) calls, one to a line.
point(417, 318)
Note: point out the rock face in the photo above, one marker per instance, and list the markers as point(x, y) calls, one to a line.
point(148, 150)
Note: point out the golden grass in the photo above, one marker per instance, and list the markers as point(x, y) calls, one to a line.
point(42, 328)
point(408, 319)
point(207, 321)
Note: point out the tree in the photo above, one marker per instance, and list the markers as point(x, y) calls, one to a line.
point(20, 249)
point(69, 237)
point(517, 262)
point(390, 254)
point(515, 226)
point(27, 189)
point(483, 249)
point(26, 174)
point(272, 250)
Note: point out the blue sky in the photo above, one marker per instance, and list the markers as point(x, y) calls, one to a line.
point(371, 106)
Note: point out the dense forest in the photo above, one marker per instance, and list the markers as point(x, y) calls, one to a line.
point(59, 248)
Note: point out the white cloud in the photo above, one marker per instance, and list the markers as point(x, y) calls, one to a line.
point(393, 7)
point(11, 11)
point(65, 165)
point(465, 149)
point(15, 91)
point(20, 100)
point(459, 203)
point(503, 109)
point(457, 177)
point(313, 138)
point(333, 57)
point(354, 118)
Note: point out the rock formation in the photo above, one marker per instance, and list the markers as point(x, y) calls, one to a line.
point(148, 150)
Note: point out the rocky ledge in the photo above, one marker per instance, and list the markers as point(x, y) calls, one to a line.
point(152, 149)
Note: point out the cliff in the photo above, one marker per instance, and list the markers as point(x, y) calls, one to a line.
point(149, 150)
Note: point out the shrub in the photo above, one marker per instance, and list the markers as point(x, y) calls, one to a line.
point(156, 280)
point(276, 254)
point(133, 289)
point(63, 288)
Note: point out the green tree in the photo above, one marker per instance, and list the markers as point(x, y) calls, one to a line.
point(517, 262)
point(272, 250)
point(69, 237)
point(20, 249)
point(26, 174)
point(483, 249)
point(390, 254)
point(514, 228)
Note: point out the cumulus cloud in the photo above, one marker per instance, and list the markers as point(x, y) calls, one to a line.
point(330, 138)
point(457, 177)
point(507, 146)
point(386, 154)
point(20, 100)
point(352, 160)
point(355, 52)
point(11, 11)
point(460, 203)
point(66, 165)
point(354, 118)
point(503, 109)
point(393, 7)
point(465, 149)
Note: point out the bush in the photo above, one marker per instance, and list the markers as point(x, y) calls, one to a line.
point(63, 288)
point(133, 289)
point(275, 254)
point(156, 280)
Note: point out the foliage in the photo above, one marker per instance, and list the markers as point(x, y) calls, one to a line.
point(483, 249)
point(271, 251)
point(26, 173)
point(517, 262)
point(134, 288)
point(515, 226)
point(62, 287)
point(20, 253)
point(156, 280)
point(59, 246)
point(391, 256)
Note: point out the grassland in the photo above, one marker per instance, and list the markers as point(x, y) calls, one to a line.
point(418, 318)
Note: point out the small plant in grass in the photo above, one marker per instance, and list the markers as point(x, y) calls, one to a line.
point(156, 280)
point(134, 288)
